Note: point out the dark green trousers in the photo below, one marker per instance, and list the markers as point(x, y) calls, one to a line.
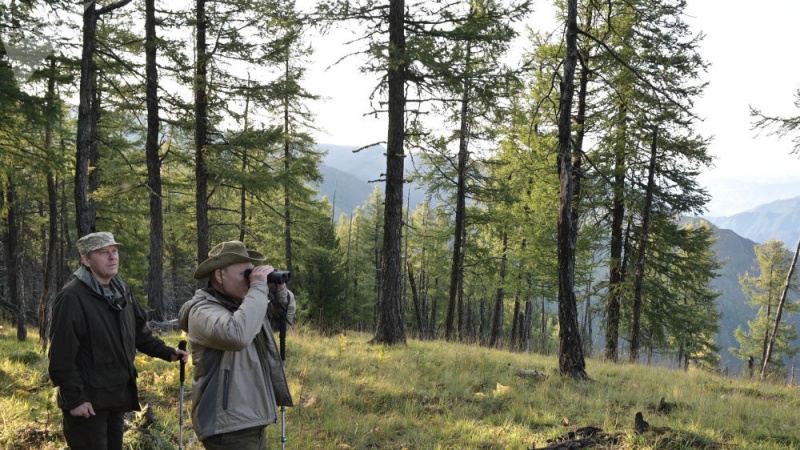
point(247, 439)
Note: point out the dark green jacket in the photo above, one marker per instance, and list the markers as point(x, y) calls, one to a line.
point(93, 347)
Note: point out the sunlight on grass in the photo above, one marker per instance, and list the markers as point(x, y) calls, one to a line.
point(350, 394)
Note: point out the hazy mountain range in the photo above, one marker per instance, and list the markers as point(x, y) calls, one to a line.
point(779, 219)
point(350, 178)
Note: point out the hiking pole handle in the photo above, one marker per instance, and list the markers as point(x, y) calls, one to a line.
point(182, 346)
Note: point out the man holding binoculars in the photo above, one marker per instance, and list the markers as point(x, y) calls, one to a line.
point(239, 379)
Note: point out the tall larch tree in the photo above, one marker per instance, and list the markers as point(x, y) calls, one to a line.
point(570, 353)
point(155, 255)
point(88, 110)
point(763, 290)
point(201, 122)
point(390, 328)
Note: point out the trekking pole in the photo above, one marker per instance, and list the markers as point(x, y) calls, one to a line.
point(181, 346)
point(282, 336)
point(283, 428)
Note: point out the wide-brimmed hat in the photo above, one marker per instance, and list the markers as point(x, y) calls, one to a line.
point(95, 241)
point(225, 254)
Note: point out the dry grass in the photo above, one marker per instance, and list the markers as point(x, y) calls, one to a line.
point(350, 394)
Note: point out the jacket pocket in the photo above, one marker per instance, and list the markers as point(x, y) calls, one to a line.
point(109, 389)
point(107, 377)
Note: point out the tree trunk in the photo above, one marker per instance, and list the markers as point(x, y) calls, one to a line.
point(155, 258)
point(586, 328)
point(616, 271)
point(88, 110)
point(86, 134)
point(497, 323)
point(543, 334)
point(577, 158)
point(774, 334)
point(434, 318)
point(287, 163)
point(16, 284)
point(245, 165)
point(570, 353)
point(66, 245)
point(636, 323)
point(390, 315)
point(415, 297)
point(526, 329)
point(94, 155)
point(49, 281)
point(200, 133)
point(457, 266)
point(516, 326)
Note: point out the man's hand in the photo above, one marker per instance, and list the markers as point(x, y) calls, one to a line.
point(83, 410)
point(261, 272)
point(179, 354)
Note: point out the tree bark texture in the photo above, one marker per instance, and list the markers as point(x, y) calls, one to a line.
point(570, 353)
point(86, 134)
point(155, 257)
point(636, 323)
point(200, 133)
point(16, 285)
point(390, 315)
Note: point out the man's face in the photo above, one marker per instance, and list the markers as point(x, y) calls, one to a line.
point(103, 262)
point(232, 280)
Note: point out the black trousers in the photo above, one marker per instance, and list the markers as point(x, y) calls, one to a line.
point(247, 439)
point(102, 431)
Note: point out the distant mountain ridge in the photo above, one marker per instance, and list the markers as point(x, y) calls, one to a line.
point(350, 176)
point(779, 220)
point(730, 196)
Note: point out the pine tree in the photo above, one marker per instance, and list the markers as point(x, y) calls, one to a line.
point(763, 291)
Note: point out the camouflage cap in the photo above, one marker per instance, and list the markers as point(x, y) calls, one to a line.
point(94, 241)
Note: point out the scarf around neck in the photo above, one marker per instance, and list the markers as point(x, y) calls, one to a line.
point(114, 292)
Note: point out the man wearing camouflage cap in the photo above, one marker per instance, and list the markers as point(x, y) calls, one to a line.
point(96, 329)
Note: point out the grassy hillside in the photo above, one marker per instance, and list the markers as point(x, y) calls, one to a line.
point(350, 394)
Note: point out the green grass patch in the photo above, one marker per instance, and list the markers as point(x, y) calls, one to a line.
point(350, 394)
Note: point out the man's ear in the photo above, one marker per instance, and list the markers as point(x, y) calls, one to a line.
point(85, 260)
point(217, 275)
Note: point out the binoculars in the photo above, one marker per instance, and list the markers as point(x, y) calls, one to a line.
point(276, 276)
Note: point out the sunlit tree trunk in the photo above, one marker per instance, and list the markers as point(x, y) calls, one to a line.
point(776, 326)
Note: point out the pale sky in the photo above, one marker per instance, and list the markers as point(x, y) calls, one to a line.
point(754, 51)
